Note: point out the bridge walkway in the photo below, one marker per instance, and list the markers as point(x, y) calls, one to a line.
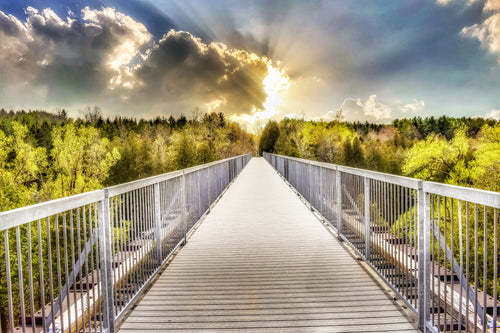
point(262, 262)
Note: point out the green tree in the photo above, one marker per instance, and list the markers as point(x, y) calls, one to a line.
point(21, 166)
point(486, 166)
point(82, 160)
point(440, 160)
point(269, 137)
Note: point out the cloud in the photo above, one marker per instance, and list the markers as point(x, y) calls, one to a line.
point(443, 2)
point(71, 60)
point(371, 110)
point(355, 109)
point(415, 107)
point(488, 31)
point(107, 58)
point(182, 67)
point(493, 114)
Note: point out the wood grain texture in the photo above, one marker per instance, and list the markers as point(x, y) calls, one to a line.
point(261, 262)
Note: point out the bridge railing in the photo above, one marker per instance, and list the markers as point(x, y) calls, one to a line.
point(436, 245)
point(76, 264)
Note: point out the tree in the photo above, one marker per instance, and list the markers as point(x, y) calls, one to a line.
point(269, 137)
point(486, 166)
point(182, 152)
point(21, 166)
point(437, 159)
point(82, 160)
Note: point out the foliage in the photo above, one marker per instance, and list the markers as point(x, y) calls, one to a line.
point(462, 151)
point(269, 137)
point(45, 156)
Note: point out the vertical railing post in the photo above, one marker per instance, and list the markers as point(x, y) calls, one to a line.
point(183, 204)
point(106, 264)
point(321, 190)
point(209, 201)
point(339, 201)
point(367, 219)
point(424, 234)
point(310, 185)
point(157, 215)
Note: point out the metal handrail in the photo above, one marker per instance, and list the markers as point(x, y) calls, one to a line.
point(82, 261)
point(393, 222)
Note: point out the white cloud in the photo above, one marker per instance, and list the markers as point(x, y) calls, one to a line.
point(414, 107)
point(488, 31)
point(376, 110)
point(443, 2)
point(493, 114)
point(71, 60)
point(371, 110)
point(492, 5)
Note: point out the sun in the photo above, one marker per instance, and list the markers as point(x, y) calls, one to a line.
point(275, 84)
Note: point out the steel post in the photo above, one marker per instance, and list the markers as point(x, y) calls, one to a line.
point(106, 264)
point(338, 194)
point(424, 235)
point(367, 219)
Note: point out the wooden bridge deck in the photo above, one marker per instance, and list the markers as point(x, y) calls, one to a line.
point(262, 262)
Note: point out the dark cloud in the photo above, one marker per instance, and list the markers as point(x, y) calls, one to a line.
point(182, 67)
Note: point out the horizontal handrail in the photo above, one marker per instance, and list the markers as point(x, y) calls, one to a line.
point(481, 197)
point(19, 216)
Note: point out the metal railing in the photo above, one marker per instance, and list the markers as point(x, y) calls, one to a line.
point(76, 264)
point(436, 245)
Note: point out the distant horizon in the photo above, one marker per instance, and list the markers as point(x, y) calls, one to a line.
point(196, 116)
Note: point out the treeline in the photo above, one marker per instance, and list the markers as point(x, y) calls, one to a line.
point(45, 156)
point(459, 151)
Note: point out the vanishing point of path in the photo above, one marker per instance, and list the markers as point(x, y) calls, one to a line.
point(262, 262)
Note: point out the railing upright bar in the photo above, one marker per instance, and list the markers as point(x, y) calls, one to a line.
point(157, 219)
point(20, 278)
point(423, 220)
point(106, 262)
point(9, 281)
point(183, 206)
point(367, 219)
point(30, 273)
point(338, 194)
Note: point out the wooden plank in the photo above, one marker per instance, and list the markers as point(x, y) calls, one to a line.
point(263, 323)
point(376, 328)
point(262, 261)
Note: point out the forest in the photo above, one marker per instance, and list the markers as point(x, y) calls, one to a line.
point(458, 151)
point(45, 156)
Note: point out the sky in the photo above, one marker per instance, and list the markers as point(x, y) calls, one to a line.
point(254, 60)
